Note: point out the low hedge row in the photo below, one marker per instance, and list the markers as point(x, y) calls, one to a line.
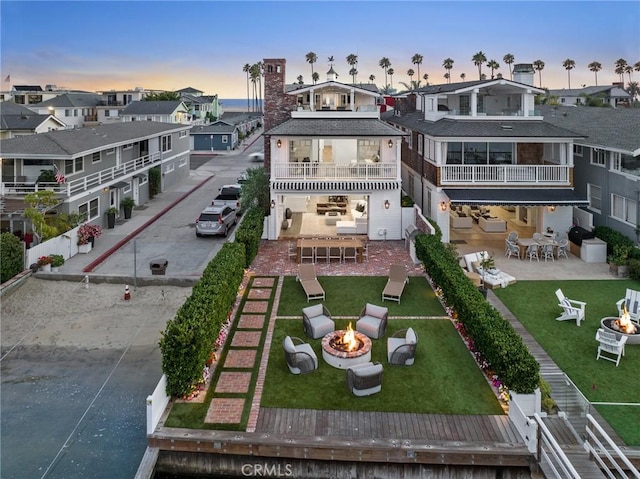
point(613, 238)
point(188, 338)
point(493, 336)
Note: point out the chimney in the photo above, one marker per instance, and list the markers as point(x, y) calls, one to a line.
point(523, 73)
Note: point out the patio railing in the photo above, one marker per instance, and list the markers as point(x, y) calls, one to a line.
point(505, 174)
point(334, 171)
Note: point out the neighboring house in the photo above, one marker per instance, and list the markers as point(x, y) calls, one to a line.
point(218, 136)
point(199, 105)
point(30, 94)
point(18, 120)
point(483, 143)
point(607, 161)
point(113, 102)
point(170, 111)
point(245, 122)
point(613, 95)
point(326, 142)
point(75, 109)
point(100, 165)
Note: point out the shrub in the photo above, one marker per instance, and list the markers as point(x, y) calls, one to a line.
point(612, 238)
point(154, 181)
point(11, 251)
point(634, 269)
point(249, 233)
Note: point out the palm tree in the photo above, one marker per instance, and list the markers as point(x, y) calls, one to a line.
point(385, 64)
point(391, 71)
point(633, 91)
point(463, 75)
point(509, 59)
point(538, 66)
point(569, 65)
point(595, 67)
point(621, 64)
point(478, 59)
point(410, 74)
point(417, 60)
point(447, 63)
point(628, 69)
point(255, 75)
point(300, 80)
point(494, 65)
point(352, 60)
point(311, 59)
point(636, 66)
point(425, 77)
point(246, 69)
point(315, 77)
point(447, 77)
point(371, 78)
point(260, 66)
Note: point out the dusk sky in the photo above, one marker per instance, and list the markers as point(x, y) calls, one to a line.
point(104, 45)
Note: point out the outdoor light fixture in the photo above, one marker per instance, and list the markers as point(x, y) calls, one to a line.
point(443, 205)
point(390, 143)
point(386, 204)
point(273, 203)
point(279, 143)
point(105, 189)
point(552, 208)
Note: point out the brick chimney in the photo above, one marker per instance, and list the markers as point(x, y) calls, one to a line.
point(277, 104)
point(404, 105)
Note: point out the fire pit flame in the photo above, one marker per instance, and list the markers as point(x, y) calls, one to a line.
point(348, 341)
point(624, 324)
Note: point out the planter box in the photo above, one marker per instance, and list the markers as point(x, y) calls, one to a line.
point(84, 248)
point(529, 403)
point(621, 271)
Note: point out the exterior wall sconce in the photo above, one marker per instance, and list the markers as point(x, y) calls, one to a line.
point(390, 143)
point(105, 190)
point(552, 208)
point(386, 204)
point(273, 204)
point(279, 143)
point(443, 206)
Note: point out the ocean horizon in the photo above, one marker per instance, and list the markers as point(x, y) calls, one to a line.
point(238, 104)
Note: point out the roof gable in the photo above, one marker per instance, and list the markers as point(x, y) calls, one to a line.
point(335, 86)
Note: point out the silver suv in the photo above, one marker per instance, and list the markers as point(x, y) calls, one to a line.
point(215, 220)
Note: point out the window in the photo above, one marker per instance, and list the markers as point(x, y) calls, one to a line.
point(107, 113)
point(454, 153)
point(126, 189)
point(475, 153)
point(143, 180)
point(111, 151)
point(623, 209)
point(420, 144)
point(182, 162)
point(73, 166)
point(598, 157)
point(368, 150)
point(501, 153)
point(225, 138)
point(166, 143)
point(410, 140)
point(95, 157)
point(67, 112)
point(127, 146)
point(594, 193)
point(89, 210)
point(183, 133)
point(169, 167)
point(577, 150)
point(465, 104)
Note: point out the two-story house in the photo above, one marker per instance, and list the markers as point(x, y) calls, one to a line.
point(113, 102)
point(75, 109)
point(613, 95)
point(329, 156)
point(168, 111)
point(18, 120)
point(200, 105)
point(483, 144)
point(100, 166)
point(607, 162)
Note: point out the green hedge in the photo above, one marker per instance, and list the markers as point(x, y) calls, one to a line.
point(249, 233)
point(188, 339)
point(613, 238)
point(11, 251)
point(492, 335)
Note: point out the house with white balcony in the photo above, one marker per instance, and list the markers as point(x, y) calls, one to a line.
point(478, 145)
point(100, 166)
point(330, 158)
point(167, 111)
point(113, 102)
point(75, 109)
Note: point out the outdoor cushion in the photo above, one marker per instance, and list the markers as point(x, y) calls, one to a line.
point(375, 311)
point(288, 345)
point(411, 336)
point(313, 311)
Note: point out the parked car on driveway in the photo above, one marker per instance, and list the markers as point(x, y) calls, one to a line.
point(215, 220)
point(229, 196)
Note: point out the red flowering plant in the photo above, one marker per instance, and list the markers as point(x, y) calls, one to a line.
point(88, 231)
point(45, 260)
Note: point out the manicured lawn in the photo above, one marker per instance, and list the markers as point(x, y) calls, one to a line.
point(574, 348)
point(444, 379)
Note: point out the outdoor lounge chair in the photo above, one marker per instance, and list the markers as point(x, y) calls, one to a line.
point(316, 321)
point(373, 321)
point(365, 379)
point(309, 281)
point(395, 284)
point(401, 347)
point(571, 309)
point(299, 355)
point(632, 302)
point(609, 344)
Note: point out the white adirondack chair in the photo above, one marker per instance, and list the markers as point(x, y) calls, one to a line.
point(632, 301)
point(571, 309)
point(607, 343)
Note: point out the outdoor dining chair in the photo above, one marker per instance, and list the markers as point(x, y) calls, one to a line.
point(532, 252)
point(512, 249)
point(563, 246)
point(547, 251)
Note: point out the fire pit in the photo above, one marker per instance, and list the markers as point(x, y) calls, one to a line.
point(622, 326)
point(345, 348)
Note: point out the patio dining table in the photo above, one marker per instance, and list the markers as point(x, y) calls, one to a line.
point(524, 243)
point(330, 243)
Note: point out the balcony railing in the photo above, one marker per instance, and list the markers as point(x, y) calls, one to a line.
point(79, 185)
point(505, 174)
point(334, 171)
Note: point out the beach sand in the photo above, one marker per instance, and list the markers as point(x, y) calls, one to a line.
point(66, 314)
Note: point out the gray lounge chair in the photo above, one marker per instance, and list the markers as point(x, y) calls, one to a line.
point(401, 347)
point(395, 284)
point(365, 379)
point(299, 355)
point(373, 321)
point(309, 281)
point(316, 321)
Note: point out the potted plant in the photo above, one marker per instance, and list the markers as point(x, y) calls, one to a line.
point(127, 205)
point(57, 260)
point(87, 233)
point(618, 261)
point(486, 263)
point(44, 262)
point(111, 217)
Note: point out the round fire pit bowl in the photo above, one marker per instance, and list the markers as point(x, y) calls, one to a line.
point(344, 359)
point(631, 338)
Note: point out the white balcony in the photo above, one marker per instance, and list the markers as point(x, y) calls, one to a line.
point(517, 175)
point(334, 171)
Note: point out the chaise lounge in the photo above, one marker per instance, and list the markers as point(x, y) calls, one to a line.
point(309, 281)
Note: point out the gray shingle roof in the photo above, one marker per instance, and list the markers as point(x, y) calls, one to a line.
point(335, 127)
point(152, 107)
point(591, 90)
point(79, 141)
point(480, 128)
point(71, 100)
point(18, 117)
point(219, 127)
point(604, 127)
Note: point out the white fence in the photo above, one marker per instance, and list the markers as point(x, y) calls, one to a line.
point(66, 244)
point(156, 404)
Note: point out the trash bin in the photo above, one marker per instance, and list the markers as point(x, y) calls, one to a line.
point(158, 266)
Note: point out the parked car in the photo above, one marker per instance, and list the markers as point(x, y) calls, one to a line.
point(229, 195)
point(215, 220)
point(257, 156)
